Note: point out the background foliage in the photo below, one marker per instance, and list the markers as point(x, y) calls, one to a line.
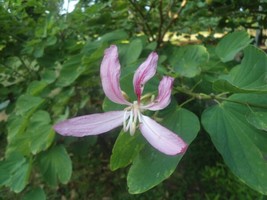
point(49, 71)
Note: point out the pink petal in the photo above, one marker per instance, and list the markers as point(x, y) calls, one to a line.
point(164, 95)
point(144, 72)
point(90, 124)
point(161, 138)
point(110, 75)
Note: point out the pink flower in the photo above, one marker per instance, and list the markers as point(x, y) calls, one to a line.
point(131, 117)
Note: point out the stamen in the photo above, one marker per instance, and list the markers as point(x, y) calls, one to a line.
point(125, 117)
point(130, 121)
point(132, 129)
point(131, 116)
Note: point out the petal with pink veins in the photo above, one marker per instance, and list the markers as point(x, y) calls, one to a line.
point(161, 138)
point(164, 95)
point(145, 72)
point(93, 124)
point(110, 71)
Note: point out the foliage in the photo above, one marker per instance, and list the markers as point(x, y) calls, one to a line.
point(49, 71)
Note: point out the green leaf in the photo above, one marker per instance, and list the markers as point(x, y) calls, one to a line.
point(133, 52)
point(17, 140)
point(48, 76)
point(55, 165)
point(231, 44)
point(36, 87)
point(94, 55)
point(34, 194)
point(125, 149)
point(15, 171)
point(187, 60)
point(51, 40)
point(249, 76)
point(114, 36)
point(27, 103)
point(41, 134)
point(258, 120)
point(70, 71)
point(242, 146)
point(151, 167)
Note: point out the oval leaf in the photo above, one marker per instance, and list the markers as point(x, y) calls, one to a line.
point(187, 60)
point(151, 167)
point(242, 146)
point(55, 165)
point(250, 76)
point(231, 44)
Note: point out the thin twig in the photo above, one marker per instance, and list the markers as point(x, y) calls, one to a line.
point(161, 21)
point(175, 17)
point(137, 9)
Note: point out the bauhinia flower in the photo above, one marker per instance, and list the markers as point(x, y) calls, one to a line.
point(131, 117)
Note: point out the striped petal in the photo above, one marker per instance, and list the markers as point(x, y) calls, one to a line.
point(110, 71)
point(144, 72)
point(164, 94)
point(90, 124)
point(161, 138)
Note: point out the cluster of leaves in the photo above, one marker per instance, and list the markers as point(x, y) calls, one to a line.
point(49, 71)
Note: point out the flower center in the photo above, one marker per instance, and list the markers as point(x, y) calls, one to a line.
point(131, 115)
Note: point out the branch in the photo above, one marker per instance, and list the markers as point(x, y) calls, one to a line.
point(174, 19)
point(214, 97)
point(137, 9)
point(160, 23)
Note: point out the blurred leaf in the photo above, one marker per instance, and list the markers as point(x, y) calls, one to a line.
point(242, 146)
point(51, 40)
point(231, 44)
point(186, 61)
point(258, 120)
point(113, 36)
point(41, 134)
point(151, 167)
point(17, 140)
point(15, 171)
point(35, 87)
point(55, 165)
point(35, 194)
point(27, 103)
point(48, 76)
point(125, 149)
point(93, 56)
point(249, 76)
point(133, 52)
point(71, 70)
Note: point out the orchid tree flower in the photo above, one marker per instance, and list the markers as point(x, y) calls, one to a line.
point(131, 117)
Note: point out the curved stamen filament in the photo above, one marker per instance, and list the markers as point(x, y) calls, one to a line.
point(132, 114)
